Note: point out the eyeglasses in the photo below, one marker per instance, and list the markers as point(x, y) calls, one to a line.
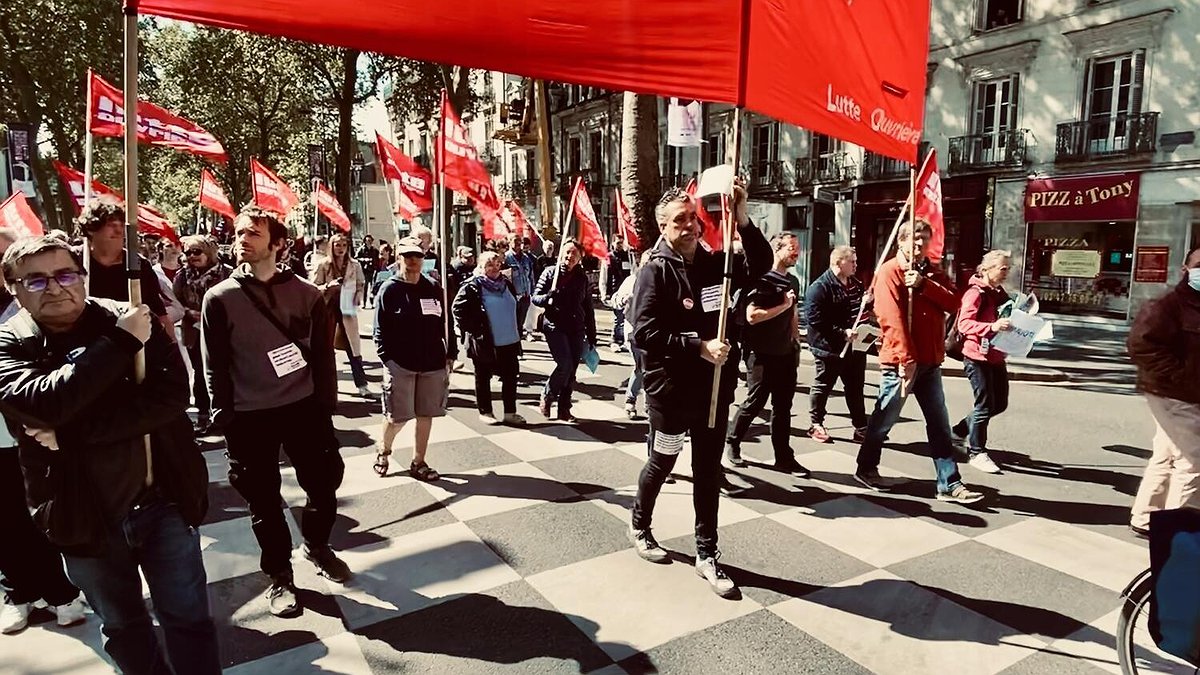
point(38, 283)
point(194, 251)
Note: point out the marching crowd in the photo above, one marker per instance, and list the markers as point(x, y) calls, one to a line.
point(100, 465)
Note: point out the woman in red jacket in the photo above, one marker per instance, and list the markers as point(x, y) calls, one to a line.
point(978, 322)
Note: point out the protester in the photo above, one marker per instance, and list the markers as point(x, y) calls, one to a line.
point(910, 361)
point(342, 283)
point(623, 298)
point(675, 318)
point(102, 224)
point(111, 468)
point(616, 268)
point(569, 324)
point(31, 568)
point(544, 261)
point(462, 269)
point(831, 307)
point(202, 272)
point(1164, 343)
point(978, 322)
point(368, 261)
point(522, 264)
point(269, 364)
point(165, 270)
point(772, 343)
point(417, 345)
point(319, 252)
point(424, 237)
point(486, 309)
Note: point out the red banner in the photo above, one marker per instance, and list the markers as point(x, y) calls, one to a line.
point(591, 238)
point(17, 217)
point(929, 204)
point(625, 223)
point(329, 207)
point(150, 220)
point(459, 161)
point(1107, 197)
point(212, 196)
point(270, 192)
point(710, 233)
point(414, 183)
point(521, 224)
point(155, 125)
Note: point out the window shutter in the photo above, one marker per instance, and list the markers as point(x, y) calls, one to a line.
point(1139, 74)
point(1015, 109)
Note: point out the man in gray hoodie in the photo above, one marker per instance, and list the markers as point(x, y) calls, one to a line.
point(268, 359)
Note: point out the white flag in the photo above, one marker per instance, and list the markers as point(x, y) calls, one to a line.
point(683, 124)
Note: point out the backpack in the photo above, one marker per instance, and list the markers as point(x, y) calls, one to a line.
point(954, 338)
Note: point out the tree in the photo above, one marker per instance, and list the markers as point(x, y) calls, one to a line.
point(640, 183)
point(417, 90)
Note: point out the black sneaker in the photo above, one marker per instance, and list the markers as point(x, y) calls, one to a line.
point(281, 597)
point(733, 455)
point(873, 481)
point(793, 467)
point(1140, 532)
point(732, 485)
point(328, 564)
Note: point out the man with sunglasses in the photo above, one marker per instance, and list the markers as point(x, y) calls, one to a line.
point(117, 512)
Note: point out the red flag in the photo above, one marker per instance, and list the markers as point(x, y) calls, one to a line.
point(414, 182)
point(711, 236)
point(459, 161)
point(212, 196)
point(521, 224)
point(150, 220)
point(929, 204)
point(155, 125)
point(19, 218)
point(328, 205)
point(270, 192)
point(590, 236)
point(625, 223)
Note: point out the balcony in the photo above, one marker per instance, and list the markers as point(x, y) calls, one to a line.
point(882, 167)
point(834, 167)
point(1115, 137)
point(1001, 150)
point(566, 181)
point(766, 176)
point(522, 190)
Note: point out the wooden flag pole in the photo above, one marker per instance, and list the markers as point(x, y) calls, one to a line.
point(566, 221)
point(442, 216)
point(132, 261)
point(87, 181)
point(727, 217)
point(542, 120)
point(912, 239)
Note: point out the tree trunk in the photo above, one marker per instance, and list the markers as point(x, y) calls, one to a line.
point(347, 144)
point(640, 181)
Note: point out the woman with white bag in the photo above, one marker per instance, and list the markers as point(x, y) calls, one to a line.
point(342, 282)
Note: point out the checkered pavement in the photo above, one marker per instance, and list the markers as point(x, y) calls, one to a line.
point(517, 561)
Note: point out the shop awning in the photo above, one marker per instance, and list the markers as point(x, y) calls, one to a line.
point(852, 69)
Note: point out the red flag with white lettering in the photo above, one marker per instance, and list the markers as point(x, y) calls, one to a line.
point(212, 196)
point(521, 224)
point(155, 125)
point(414, 183)
point(270, 192)
point(329, 207)
point(150, 220)
point(17, 217)
point(590, 236)
point(929, 204)
point(459, 161)
point(711, 235)
point(625, 223)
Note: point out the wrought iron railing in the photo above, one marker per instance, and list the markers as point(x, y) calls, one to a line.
point(1003, 149)
point(882, 167)
point(1123, 135)
point(766, 176)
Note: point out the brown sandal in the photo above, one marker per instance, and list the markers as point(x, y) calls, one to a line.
point(423, 472)
point(381, 462)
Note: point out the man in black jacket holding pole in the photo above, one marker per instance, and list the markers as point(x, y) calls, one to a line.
point(675, 316)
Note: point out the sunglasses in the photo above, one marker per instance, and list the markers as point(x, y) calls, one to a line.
point(194, 251)
point(39, 282)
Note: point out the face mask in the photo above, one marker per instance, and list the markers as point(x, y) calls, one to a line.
point(1194, 278)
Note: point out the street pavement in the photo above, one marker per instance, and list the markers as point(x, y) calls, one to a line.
point(517, 561)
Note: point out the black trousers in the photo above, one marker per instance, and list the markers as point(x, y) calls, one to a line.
point(305, 433)
point(199, 386)
point(523, 303)
point(507, 367)
point(665, 443)
point(852, 371)
point(769, 377)
point(31, 566)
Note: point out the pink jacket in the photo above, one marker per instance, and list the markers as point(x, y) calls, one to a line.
point(980, 307)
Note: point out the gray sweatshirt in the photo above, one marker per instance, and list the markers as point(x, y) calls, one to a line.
point(238, 341)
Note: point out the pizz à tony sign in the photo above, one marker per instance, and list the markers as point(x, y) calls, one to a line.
point(1111, 196)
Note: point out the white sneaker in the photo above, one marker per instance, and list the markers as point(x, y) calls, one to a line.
point(71, 613)
point(710, 571)
point(984, 463)
point(489, 420)
point(13, 617)
point(365, 392)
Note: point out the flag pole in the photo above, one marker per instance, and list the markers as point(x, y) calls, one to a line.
point(912, 238)
point(566, 221)
point(316, 211)
point(87, 179)
point(132, 261)
point(727, 217)
point(443, 217)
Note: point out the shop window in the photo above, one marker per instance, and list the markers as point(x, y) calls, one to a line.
point(1081, 268)
point(1113, 96)
point(993, 14)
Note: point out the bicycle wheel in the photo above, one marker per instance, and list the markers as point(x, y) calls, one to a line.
point(1136, 651)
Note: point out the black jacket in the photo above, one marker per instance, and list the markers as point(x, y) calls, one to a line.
point(85, 392)
point(829, 309)
point(471, 316)
point(569, 306)
point(410, 325)
point(670, 324)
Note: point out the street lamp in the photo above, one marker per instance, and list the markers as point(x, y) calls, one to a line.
point(356, 168)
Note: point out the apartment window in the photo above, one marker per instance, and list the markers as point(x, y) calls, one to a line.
point(993, 14)
point(574, 153)
point(596, 150)
point(714, 150)
point(993, 117)
point(765, 142)
point(1114, 93)
point(515, 162)
point(827, 155)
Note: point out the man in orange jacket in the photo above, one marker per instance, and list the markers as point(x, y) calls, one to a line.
point(910, 360)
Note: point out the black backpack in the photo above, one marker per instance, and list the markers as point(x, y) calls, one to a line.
point(955, 339)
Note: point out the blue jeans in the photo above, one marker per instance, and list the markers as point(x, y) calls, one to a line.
point(927, 388)
point(989, 381)
point(567, 350)
point(618, 333)
point(154, 538)
point(636, 377)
